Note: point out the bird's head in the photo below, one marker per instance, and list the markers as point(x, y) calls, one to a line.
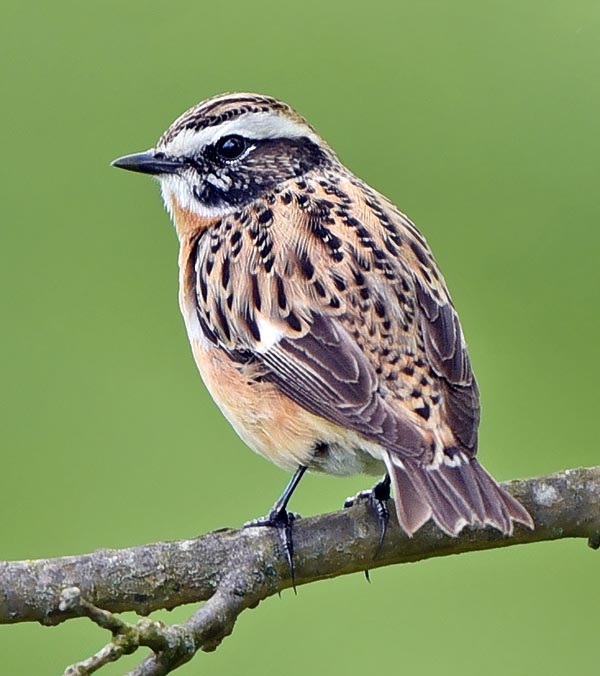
point(227, 151)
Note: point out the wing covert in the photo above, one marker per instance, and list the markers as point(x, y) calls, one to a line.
point(336, 294)
point(325, 372)
point(447, 352)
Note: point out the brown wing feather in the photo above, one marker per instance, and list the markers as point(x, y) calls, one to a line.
point(325, 372)
point(447, 352)
point(337, 294)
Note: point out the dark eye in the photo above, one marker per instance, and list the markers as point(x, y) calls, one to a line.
point(230, 147)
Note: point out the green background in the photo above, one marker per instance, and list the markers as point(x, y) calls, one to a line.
point(480, 120)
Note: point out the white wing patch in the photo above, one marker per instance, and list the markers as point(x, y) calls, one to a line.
point(269, 334)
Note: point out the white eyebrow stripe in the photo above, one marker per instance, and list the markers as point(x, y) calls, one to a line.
point(251, 125)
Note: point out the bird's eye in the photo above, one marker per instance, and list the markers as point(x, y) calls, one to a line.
point(230, 147)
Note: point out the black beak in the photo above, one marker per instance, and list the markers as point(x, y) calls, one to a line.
point(148, 163)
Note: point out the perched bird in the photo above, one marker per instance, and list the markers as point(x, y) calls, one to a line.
point(318, 317)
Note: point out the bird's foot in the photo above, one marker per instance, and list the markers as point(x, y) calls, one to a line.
point(282, 520)
point(377, 497)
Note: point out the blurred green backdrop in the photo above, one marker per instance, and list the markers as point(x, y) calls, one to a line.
point(480, 119)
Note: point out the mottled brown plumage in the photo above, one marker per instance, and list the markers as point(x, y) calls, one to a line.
point(317, 314)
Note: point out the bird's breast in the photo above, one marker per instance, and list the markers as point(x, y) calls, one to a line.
point(269, 422)
point(273, 425)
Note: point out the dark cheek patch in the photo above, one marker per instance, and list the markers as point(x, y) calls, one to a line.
point(270, 163)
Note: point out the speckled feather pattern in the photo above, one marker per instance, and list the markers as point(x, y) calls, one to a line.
point(222, 108)
point(318, 317)
point(325, 248)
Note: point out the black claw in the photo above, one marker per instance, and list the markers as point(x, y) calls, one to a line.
point(384, 518)
point(377, 497)
point(282, 520)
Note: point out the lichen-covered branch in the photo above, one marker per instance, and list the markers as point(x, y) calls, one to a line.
point(235, 569)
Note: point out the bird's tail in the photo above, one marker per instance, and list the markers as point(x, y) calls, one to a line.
point(455, 495)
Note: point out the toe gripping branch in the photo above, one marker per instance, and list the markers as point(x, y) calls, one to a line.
point(279, 518)
point(377, 497)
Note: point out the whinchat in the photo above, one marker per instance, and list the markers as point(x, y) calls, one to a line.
point(318, 318)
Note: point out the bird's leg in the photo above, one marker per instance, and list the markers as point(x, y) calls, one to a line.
point(278, 512)
point(278, 517)
point(378, 497)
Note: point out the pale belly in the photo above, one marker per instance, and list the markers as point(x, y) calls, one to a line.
point(276, 427)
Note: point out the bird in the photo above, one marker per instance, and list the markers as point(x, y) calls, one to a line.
point(318, 318)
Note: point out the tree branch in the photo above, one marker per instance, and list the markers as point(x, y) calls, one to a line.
point(236, 569)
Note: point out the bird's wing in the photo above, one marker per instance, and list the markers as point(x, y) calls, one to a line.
point(325, 372)
point(337, 296)
point(447, 353)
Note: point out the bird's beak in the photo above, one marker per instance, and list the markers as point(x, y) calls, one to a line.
point(147, 163)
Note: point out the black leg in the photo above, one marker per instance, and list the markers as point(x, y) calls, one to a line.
point(278, 517)
point(378, 497)
point(284, 498)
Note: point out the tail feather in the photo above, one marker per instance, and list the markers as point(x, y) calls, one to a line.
point(514, 508)
point(449, 509)
point(454, 495)
point(465, 483)
point(495, 509)
point(413, 509)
